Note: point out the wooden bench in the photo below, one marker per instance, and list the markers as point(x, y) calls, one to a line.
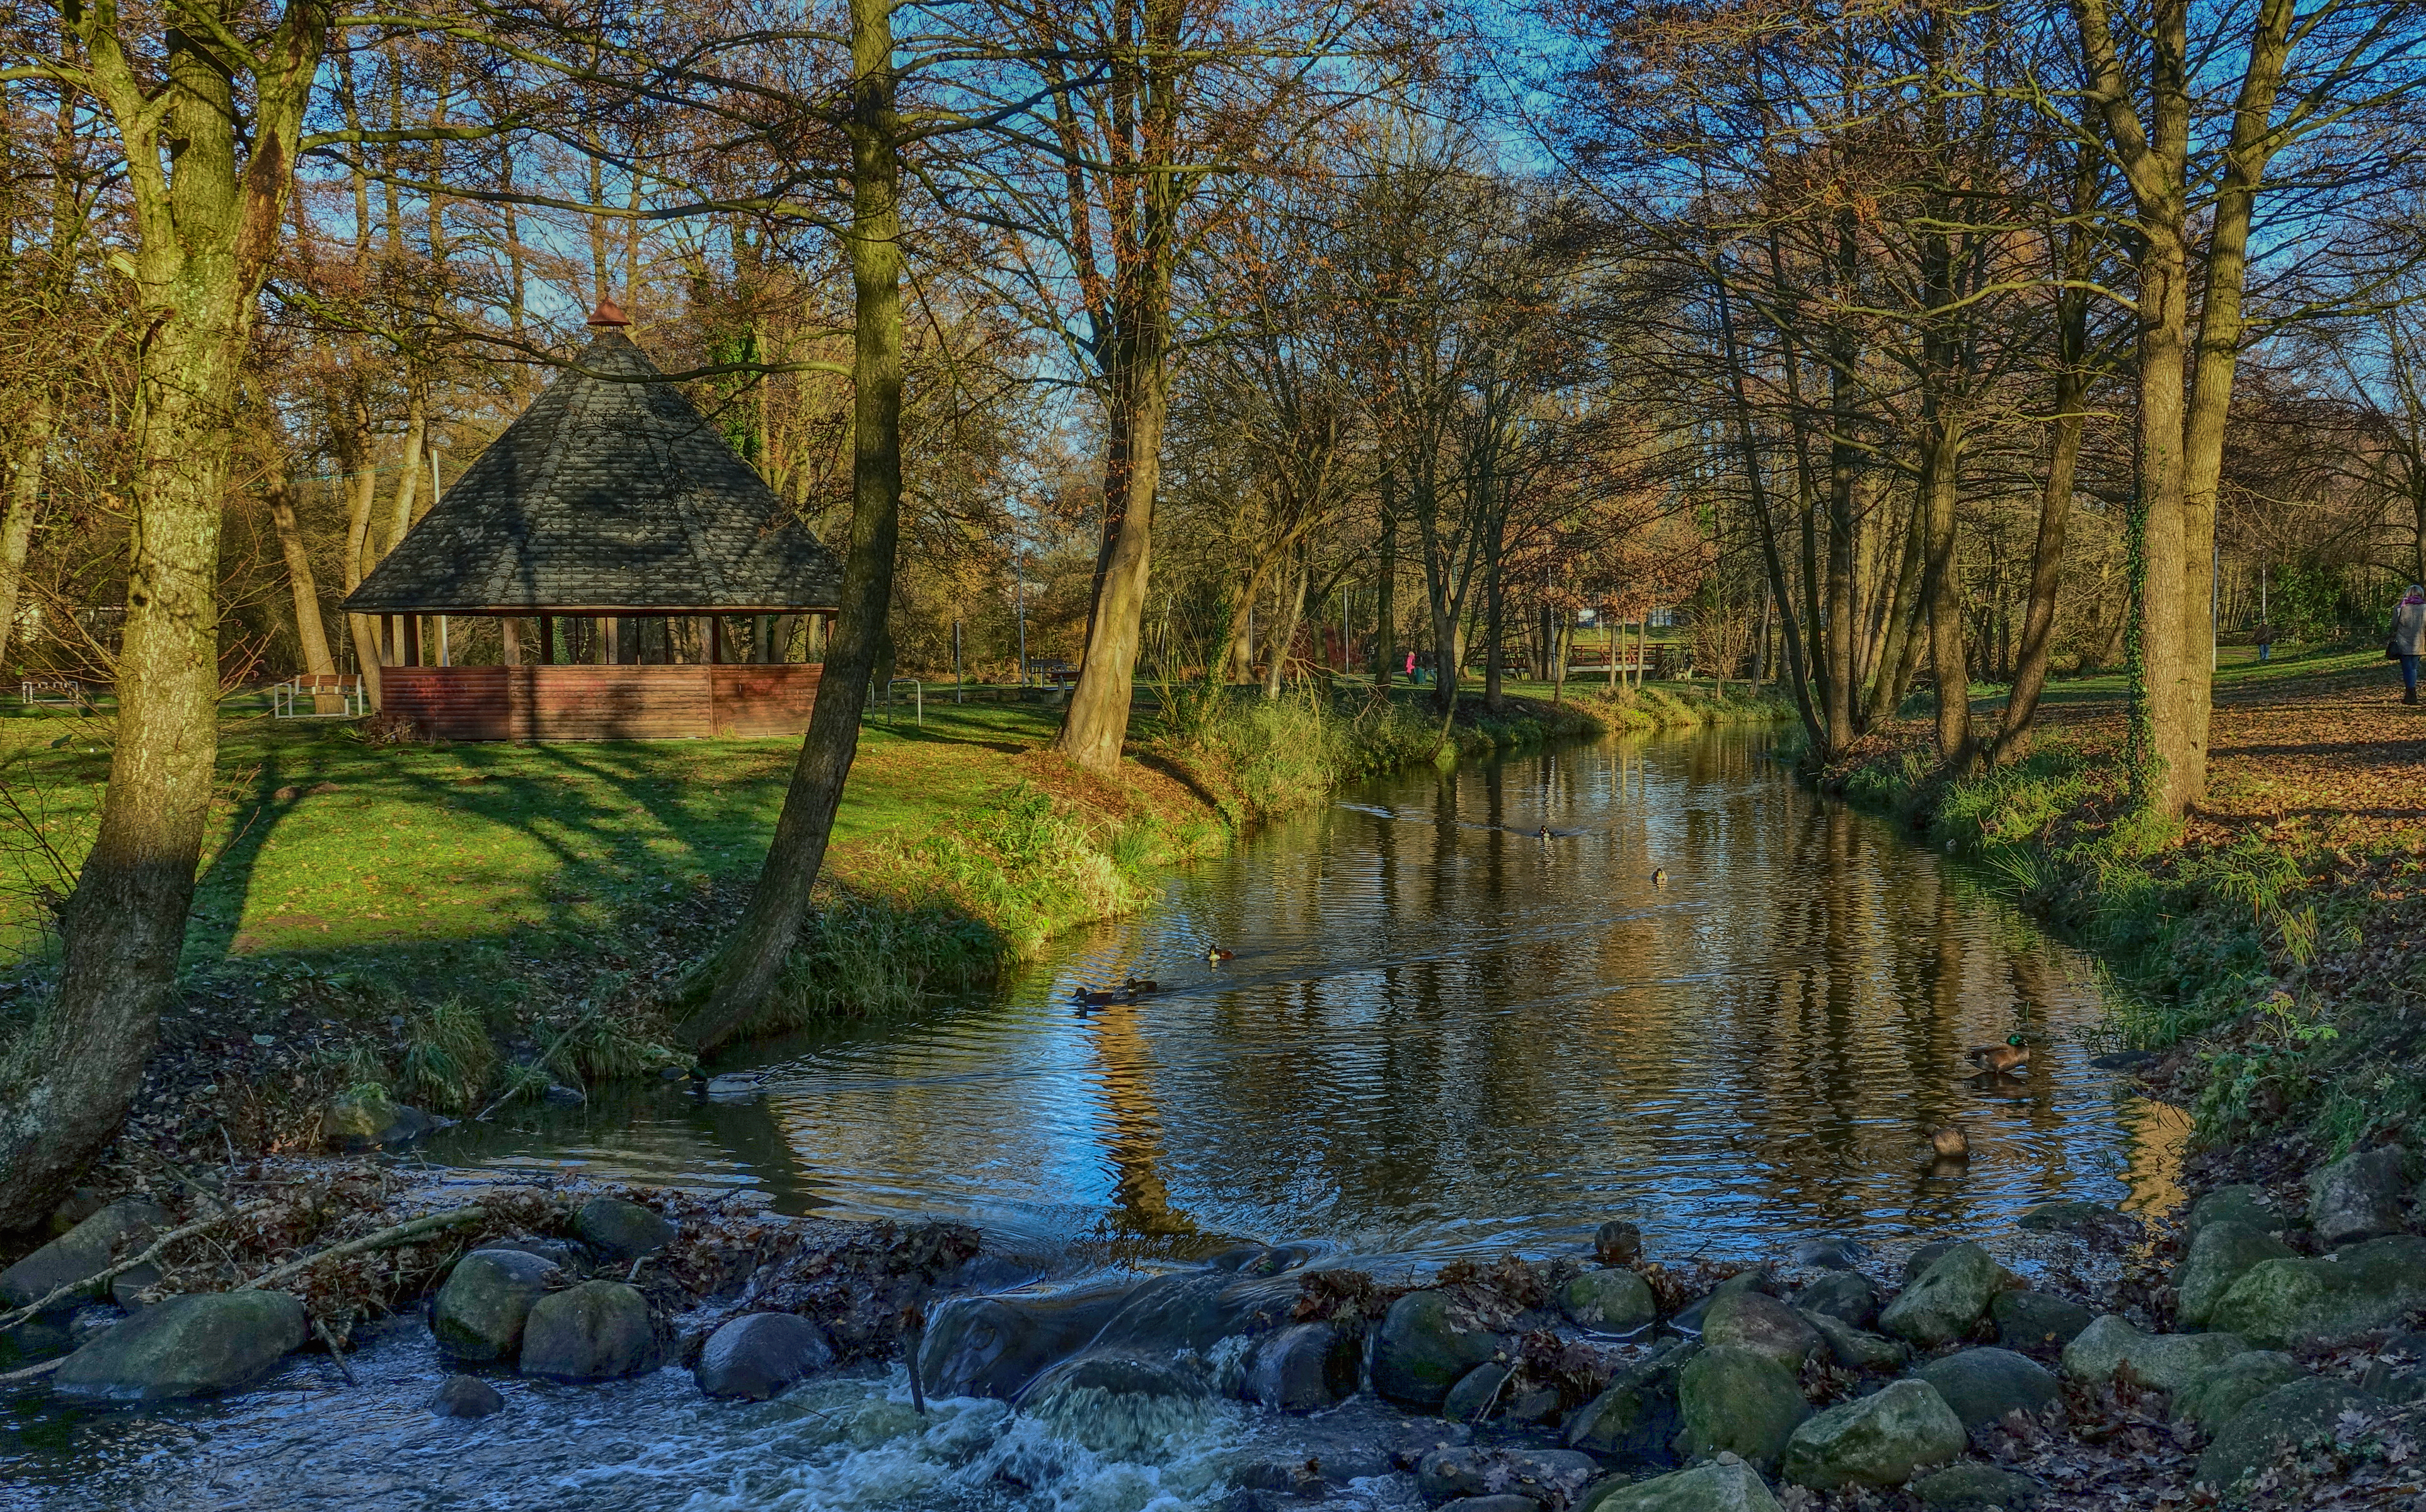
point(333, 696)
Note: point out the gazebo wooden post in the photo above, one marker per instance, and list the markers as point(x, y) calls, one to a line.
point(412, 641)
point(547, 640)
point(714, 639)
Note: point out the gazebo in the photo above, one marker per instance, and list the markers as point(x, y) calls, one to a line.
point(609, 499)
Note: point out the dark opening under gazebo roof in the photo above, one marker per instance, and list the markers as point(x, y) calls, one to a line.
point(609, 495)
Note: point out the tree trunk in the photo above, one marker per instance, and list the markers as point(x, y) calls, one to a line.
point(408, 488)
point(734, 985)
point(1901, 617)
point(2046, 570)
point(362, 482)
point(2221, 330)
point(314, 639)
point(1099, 720)
point(1290, 614)
point(1943, 585)
point(1386, 590)
point(17, 527)
point(205, 240)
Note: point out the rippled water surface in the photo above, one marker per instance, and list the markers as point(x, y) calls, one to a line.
point(1440, 1033)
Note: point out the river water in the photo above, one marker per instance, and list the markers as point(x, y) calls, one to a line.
point(1440, 1033)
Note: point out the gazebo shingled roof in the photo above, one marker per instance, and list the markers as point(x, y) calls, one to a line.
point(606, 496)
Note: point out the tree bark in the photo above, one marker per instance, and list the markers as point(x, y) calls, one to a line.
point(308, 630)
point(732, 986)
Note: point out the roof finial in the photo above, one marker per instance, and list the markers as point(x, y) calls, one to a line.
point(609, 313)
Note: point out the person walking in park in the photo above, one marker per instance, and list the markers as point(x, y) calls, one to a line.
point(2264, 639)
point(2408, 639)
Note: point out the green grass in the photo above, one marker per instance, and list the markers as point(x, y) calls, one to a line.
point(459, 844)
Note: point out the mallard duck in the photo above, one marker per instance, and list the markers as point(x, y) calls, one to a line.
point(1139, 987)
point(1542, 834)
point(1660, 876)
point(2012, 1055)
point(1094, 1000)
point(1215, 952)
point(1949, 1143)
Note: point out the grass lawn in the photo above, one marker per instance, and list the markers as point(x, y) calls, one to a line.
point(322, 843)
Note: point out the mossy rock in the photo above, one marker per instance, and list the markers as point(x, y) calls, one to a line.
point(2283, 1304)
point(1882, 1440)
point(1738, 1401)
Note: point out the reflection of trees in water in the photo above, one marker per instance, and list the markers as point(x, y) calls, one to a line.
point(1133, 1143)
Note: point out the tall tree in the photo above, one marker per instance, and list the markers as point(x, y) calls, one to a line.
point(219, 91)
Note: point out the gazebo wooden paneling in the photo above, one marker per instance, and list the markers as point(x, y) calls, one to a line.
point(609, 498)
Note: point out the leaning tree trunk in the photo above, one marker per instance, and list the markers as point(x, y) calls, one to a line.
point(308, 629)
point(2047, 575)
point(205, 241)
point(732, 986)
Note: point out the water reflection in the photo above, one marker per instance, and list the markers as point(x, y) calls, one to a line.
point(1442, 1032)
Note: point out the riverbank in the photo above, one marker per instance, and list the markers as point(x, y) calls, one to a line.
point(2266, 954)
point(386, 928)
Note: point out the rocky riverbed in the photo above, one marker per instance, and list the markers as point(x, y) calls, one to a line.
point(2259, 1351)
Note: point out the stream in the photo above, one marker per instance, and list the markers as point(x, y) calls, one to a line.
point(1440, 1033)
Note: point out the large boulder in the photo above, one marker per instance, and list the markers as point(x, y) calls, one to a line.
point(2358, 1196)
point(1983, 1384)
point(2286, 1416)
point(2167, 1362)
point(1764, 1324)
point(1739, 1401)
point(594, 1332)
point(1426, 1343)
point(2233, 1204)
point(1611, 1301)
point(119, 1231)
point(623, 1231)
point(481, 1312)
point(185, 1346)
point(2281, 1304)
point(1947, 1299)
point(755, 1356)
point(1303, 1367)
point(994, 1346)
point(2035, 1320)
point(2211, 1400)
point(1844, 1294)
point(1725, 1485)
point(1882, 1440)
point(1634, 1420)
point(2220, 1255)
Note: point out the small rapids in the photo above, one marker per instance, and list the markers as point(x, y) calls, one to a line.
point(305, 1441)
